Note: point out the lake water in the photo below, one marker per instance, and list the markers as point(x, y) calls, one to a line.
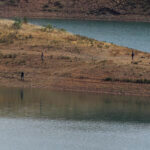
point(129, 34)
point(34, 119)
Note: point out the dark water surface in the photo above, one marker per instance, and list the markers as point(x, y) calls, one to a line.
point(37, 119)
point(129, 34)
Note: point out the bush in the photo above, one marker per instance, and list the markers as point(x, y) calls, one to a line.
point(17, 24)
point(45, 6)
point(58, 4)
point(47, 28)
point(25, 20)
point(108, 79)
point(63, 30)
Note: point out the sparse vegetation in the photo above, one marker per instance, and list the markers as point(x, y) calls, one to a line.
point(70, 61)
point(48, 28)
point(8, 37)
point(63, 30)
point(140, 81)
point(25, 20)
point(8, 56)
point(111, 9)
point(17, 24)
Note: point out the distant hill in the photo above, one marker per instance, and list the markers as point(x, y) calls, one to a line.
point(88, 9)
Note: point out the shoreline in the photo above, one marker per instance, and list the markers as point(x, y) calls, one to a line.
point(119, 18)
point(83, 90)
point(87, 86)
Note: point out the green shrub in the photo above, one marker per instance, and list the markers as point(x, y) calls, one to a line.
point(48, 28)
point(25, 20)
point(107, 46)
point(17, 24)
point(63, 30)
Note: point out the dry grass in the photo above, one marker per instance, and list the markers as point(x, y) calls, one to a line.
point(70, 61)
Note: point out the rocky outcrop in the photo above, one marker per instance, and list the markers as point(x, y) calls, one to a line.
point(85, 9)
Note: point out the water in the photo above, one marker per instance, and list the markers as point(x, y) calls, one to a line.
point(34, 119)
point(129, 34)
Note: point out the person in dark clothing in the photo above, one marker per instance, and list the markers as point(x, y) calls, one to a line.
point(22, 76)
point(132, 55)
point(42, 56)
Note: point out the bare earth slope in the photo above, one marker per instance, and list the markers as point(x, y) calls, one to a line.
point(71, 62)
point(138, 10)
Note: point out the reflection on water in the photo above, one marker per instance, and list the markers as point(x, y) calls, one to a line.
point(37, 103)
point(21, 94)
point(130, 34)
point(35, 119)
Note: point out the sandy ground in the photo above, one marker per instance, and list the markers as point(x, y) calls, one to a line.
point(71, 62)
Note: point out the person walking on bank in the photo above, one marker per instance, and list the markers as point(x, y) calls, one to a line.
point(132, 55)
point(22, 76)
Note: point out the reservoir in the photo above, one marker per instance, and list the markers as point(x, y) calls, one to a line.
point(36, 119)
point(134, 35)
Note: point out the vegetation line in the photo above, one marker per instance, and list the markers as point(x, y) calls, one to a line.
point(140, 81)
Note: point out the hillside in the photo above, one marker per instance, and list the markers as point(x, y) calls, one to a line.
point(71, 62)
point(138, 10)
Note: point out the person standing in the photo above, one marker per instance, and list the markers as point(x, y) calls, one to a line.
point(132, 55)
point(22, 76)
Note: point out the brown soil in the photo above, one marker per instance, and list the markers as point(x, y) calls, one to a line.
point(71, 62)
